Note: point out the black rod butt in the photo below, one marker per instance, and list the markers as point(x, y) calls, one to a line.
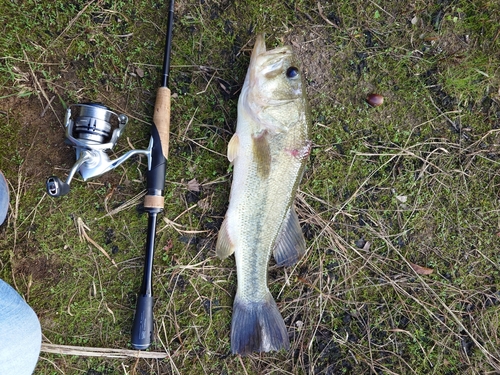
point(142, 328)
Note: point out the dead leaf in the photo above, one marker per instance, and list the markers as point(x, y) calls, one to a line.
point(193, 185)
point(139, 72)
point(421, 270)
point(168, 246)
point(110, 311)
point(204, 203)
point(402, 198)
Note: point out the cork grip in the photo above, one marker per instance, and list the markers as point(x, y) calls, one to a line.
point(161, 117)
point(154, 201)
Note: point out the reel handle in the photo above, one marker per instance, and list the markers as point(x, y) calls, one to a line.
point(56, 187)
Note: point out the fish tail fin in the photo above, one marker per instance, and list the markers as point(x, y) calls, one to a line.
point(257, 327)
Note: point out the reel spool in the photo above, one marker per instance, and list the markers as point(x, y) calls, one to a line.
point(89, 132)
point(94, 123)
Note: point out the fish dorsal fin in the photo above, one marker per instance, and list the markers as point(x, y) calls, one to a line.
point(224, 246)
point(290, 244)
point(233, 147)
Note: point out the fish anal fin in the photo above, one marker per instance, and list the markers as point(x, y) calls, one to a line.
point(290, 244)
point(262, 153)
point(224, 246)
point(233, 147)
point(257, 326)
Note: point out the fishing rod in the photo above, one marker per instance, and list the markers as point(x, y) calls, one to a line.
point(143, 326)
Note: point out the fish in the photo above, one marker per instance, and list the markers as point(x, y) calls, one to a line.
point(269, 151)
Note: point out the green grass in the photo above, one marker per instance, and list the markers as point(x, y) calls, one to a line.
point(412, 182)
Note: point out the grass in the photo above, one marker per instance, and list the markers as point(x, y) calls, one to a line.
point(412, 183)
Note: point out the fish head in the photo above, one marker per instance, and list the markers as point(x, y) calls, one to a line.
point(273, 92)
point(275, 73)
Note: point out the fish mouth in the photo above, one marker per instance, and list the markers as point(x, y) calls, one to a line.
point(269, 63)
point(259, 49)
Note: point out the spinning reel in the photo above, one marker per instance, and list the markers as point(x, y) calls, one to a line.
point(89, 132)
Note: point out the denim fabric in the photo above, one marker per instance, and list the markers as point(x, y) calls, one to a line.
point(4, 198)
point(20, 334)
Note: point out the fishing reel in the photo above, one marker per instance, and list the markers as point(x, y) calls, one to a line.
point(89, 130)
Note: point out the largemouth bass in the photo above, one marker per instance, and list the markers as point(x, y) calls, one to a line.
point(269, 150)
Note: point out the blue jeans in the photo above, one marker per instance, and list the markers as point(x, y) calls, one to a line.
point(4, 198)
point(20, 334)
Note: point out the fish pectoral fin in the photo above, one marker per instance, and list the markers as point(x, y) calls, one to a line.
point(224, 246)
point(290, 244)
point(262, 152)
point(233, 147)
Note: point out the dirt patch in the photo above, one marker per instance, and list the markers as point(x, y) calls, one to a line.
point(35, 150)
point(39, 268)
point(39, 136)
point(317, 60)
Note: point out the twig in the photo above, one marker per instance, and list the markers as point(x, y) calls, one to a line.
point(83, 235)
point(320, 11)
point(131, 202)
point(243, 365)
point(47, 106)
point(72, 22)
point(177, 227)
point(190, 122)
point(382, 9)
point(452, 123)
point(208, 84)
point(86, 351)
point(206, 148)
point(53, 364)
point(124, 369)
point(49, 101)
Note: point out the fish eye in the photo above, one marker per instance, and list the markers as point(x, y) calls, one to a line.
point(292, 72)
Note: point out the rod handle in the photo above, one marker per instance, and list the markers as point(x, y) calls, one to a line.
point(142, 327)
point(159, 153)
point(161, 117)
